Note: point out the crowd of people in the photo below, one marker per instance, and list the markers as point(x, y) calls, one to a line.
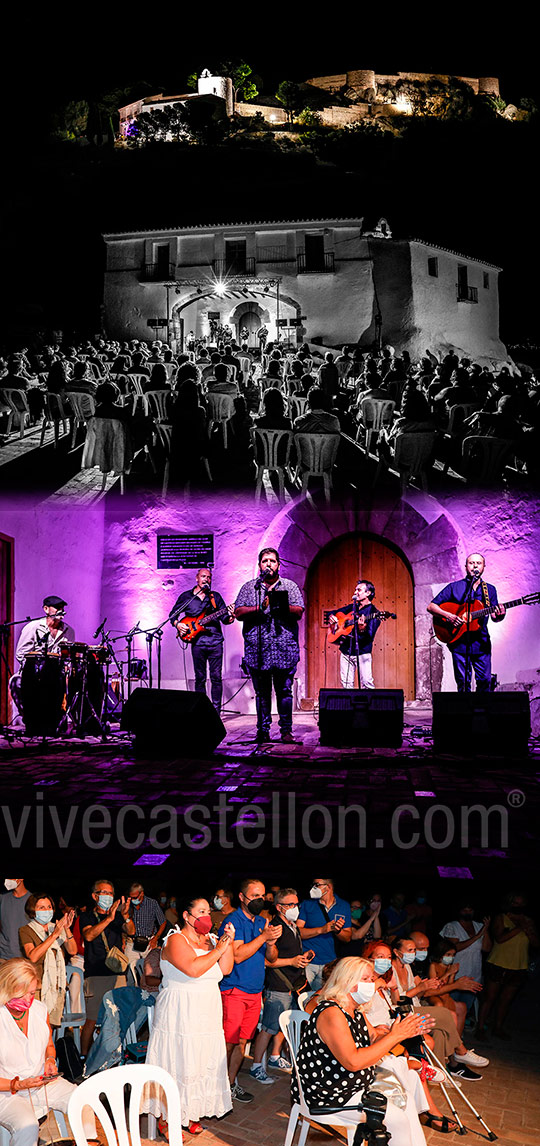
point(389, 984)
point(459, 403)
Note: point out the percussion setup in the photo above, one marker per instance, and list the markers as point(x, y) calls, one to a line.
point(76, 688)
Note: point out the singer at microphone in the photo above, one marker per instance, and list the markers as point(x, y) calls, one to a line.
point(471, 649)
point(271, 642)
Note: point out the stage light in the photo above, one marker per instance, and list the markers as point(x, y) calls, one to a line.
point(220, 289)
point(152, 860)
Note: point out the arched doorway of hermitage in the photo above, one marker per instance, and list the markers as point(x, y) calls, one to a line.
point(330, 582)
point(249, 316)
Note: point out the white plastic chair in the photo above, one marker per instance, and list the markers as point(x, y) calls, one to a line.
point(111, 1084)
point(316, 458)
point(158, 404)
point(83, 407)
point(297, 406)
point(74, 1019)
point(302, 998)
point(220, 409)
point(54, 414)
point(291, 1023)
point(411, 456)
point(17, 403)
point(267, 445)
point(459, 413)
point(493, 455)
point(375, 413)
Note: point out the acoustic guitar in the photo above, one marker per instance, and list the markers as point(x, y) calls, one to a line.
point(345, 623)
point(471, 614)
point(197, 625)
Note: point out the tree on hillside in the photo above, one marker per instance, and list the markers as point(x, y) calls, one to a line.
point(244, 83)
point(292, 96)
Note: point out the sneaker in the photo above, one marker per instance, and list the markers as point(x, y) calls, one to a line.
point(240, 1094)
point(463, 1071)
point(277, 1062)
point(287, 738)
point(472, 1059)
point(260, 1075)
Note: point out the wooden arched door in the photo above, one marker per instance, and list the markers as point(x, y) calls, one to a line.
point(330, 582)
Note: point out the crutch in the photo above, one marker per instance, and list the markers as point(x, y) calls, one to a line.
point(492, 1137)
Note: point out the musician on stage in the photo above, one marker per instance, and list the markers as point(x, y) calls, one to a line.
point(207, 646)
point(270, 607)
point(45, 635)
point(355, 649)
point(42, 636)
point(473, 649)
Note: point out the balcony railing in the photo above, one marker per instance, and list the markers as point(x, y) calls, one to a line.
point(315, 266)
point(152, 273)
point(227, 268)
point(466, 293)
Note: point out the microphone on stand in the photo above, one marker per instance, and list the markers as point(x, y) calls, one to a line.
point(100, 629)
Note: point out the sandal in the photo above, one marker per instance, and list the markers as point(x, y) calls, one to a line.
point(195, 1128)
point(163, 1128)
point(448, 1125)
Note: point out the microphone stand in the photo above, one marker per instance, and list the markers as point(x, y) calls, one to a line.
point(129, 641)
point(5, 626)
point(156, 633)
point(468, 668)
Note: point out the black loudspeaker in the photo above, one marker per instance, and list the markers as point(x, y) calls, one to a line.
point(489, 723)
point(361, 717)
point(171, 722)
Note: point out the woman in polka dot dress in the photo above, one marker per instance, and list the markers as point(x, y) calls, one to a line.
point(339, 1050)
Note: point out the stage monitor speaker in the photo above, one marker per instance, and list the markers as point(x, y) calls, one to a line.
point(361, 717)
point(485, 723)
point(171, 722)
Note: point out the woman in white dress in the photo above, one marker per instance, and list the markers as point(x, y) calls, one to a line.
point(187, 1032)
point(28, 1059)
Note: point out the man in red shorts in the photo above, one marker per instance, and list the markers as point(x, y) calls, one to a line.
point(241, 991)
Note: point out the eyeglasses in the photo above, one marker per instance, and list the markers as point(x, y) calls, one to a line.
point(291, 903)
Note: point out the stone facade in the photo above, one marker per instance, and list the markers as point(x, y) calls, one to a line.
point(365, 80)
point(329, 280)
point(119, 579)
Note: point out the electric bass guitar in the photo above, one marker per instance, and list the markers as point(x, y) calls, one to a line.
point(471, 614)
point(197, 625)
point(345, 623)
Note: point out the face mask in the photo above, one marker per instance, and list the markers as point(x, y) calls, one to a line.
point(292, 914)
point(173, 904)
point(19, 1006)
point(163, 899)
point(421, 955)
point(316, 892)
point(202, 924)
point(105, 902)
point(382, 965)
point(364, 992)
point(255, 906)
point(420, 899)
point(218, 903)
point(43, 916)
point(448, 959)
point(466, 914)
point(408, 956)
point(136, 902)
point(10, 884)
point(356, 912)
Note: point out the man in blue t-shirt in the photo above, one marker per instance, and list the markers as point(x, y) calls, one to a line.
point(323, 918)
point(254, 943)
point(472, 650)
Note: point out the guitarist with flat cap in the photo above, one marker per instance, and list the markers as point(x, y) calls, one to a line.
point(198, 616)
point(454, 611)
point(356, 644)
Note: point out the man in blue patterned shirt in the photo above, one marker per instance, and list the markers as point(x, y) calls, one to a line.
point(270, 607)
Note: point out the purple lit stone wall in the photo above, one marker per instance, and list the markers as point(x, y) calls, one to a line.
point(104, 561)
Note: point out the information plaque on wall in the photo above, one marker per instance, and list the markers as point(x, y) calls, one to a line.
point(185, 550)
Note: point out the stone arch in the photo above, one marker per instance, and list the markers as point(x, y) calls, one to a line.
point(416, 525)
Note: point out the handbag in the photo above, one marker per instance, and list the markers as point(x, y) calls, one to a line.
point(116, 961)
